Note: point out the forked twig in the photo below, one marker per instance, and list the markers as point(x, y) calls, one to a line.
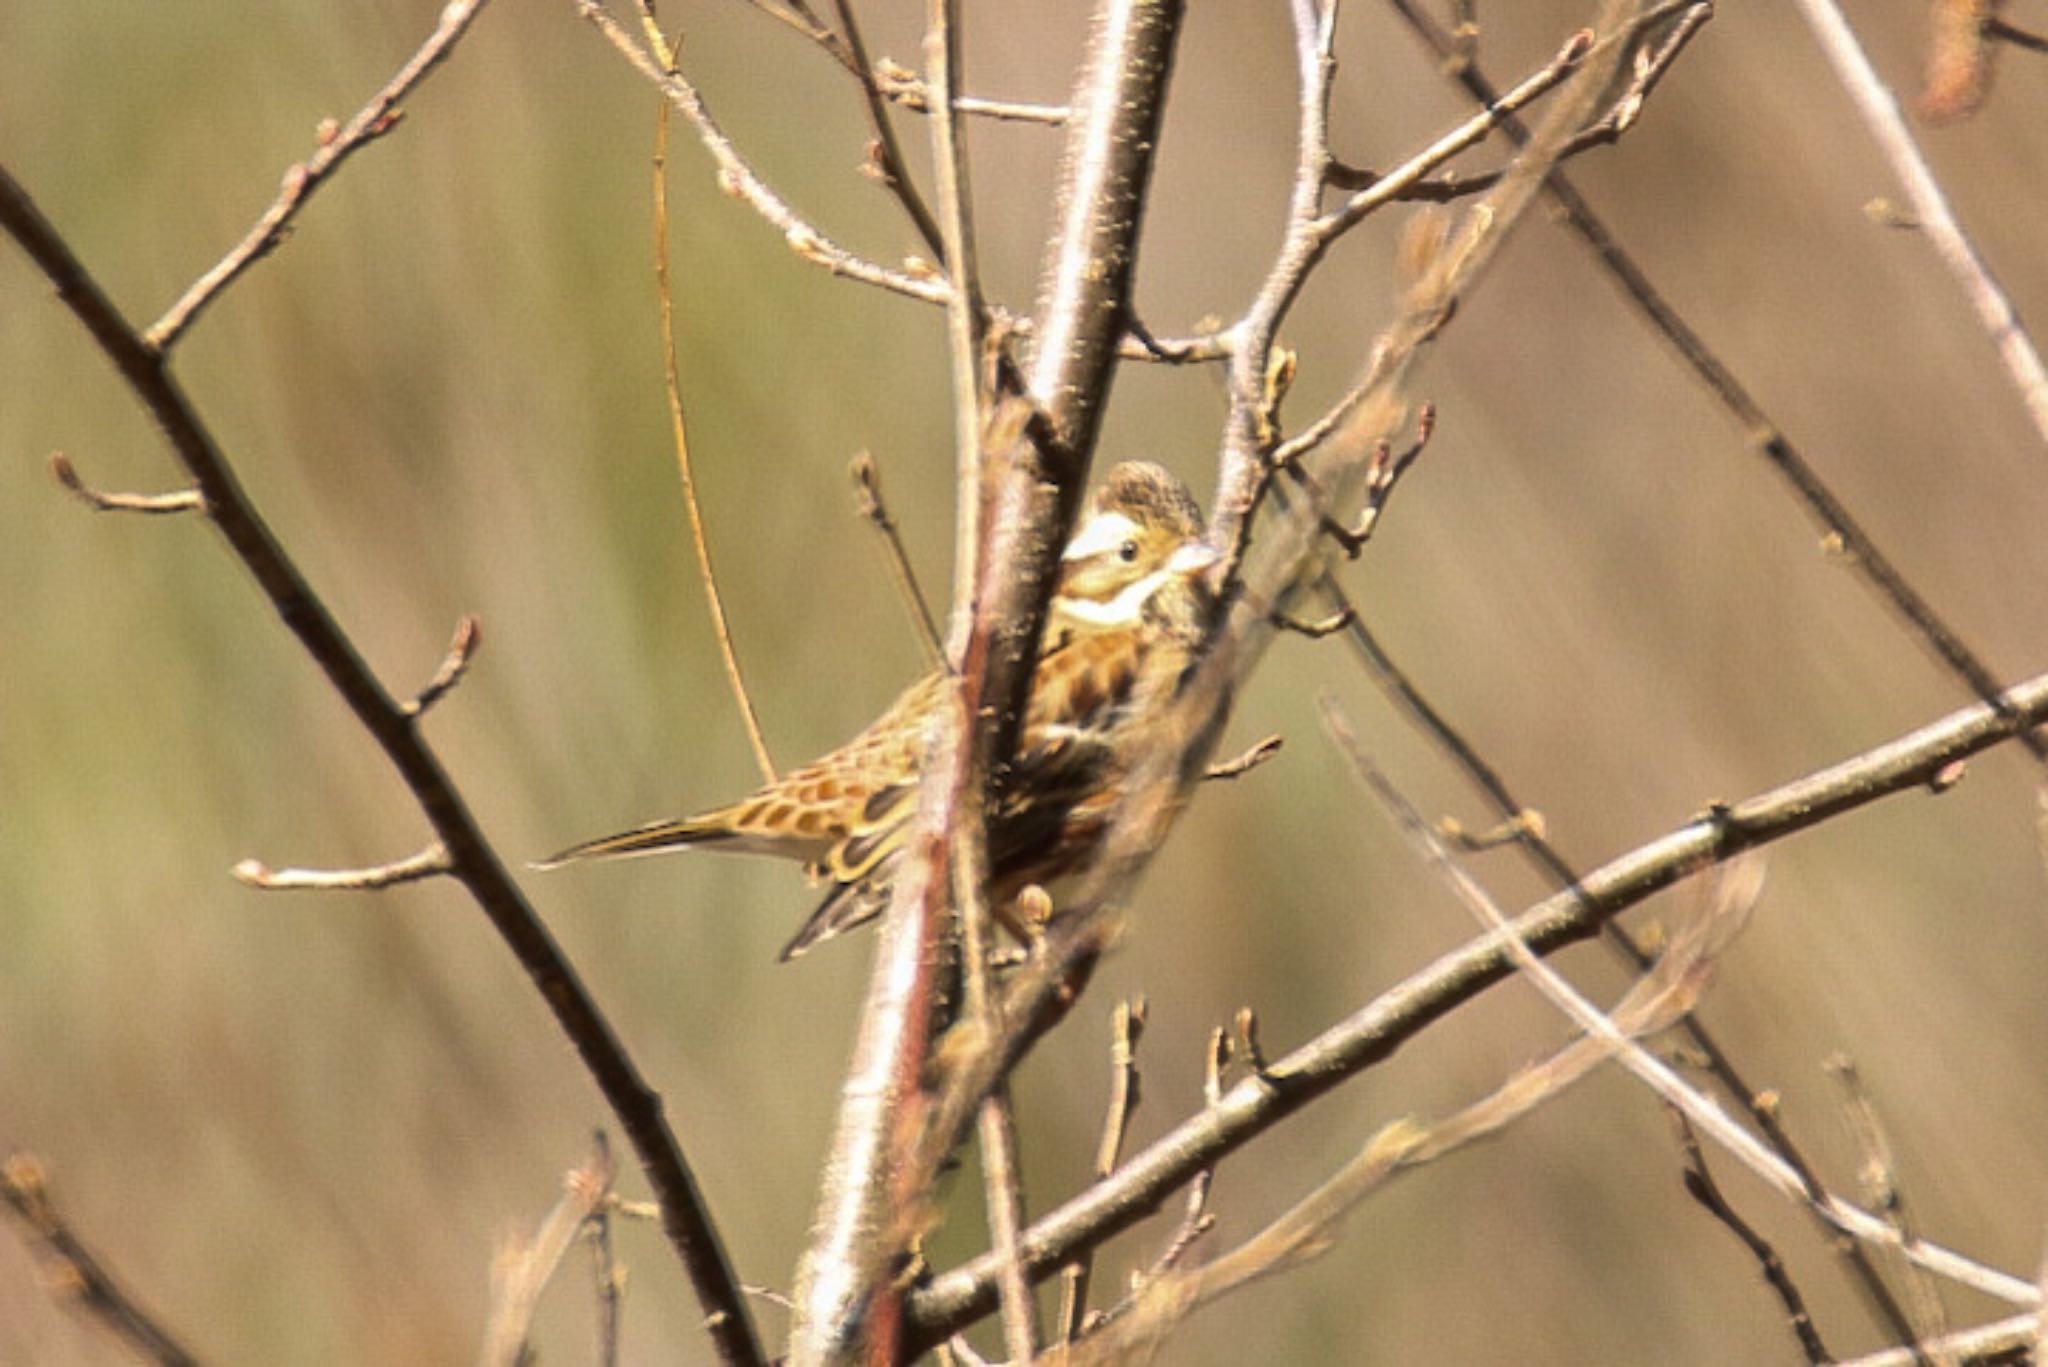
point(1146, 1179)
point(371, 122)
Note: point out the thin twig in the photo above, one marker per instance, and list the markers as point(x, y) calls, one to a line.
point(371, 122)
point(867, 484)
point(475, 863)
point(523, 1270)
point(180, 501)
point(966, 319)
point(1126, 1028)
point(1529, 834)
point(1190, 721)
point(1003, 1186)
point(469, 634)
point(903, 87)
point(672, 384)
point(1311, 1225)
point(1652, 1072)
point(1372, 1034)
point(1860, 551)
point(1880, 114)
point(1237, 766)
point(739, 179)
point(428, 863)
point(609, 1276)
point(1701, 1186)
point(2003, 1342)
point(886, 157)
point(71, 1269)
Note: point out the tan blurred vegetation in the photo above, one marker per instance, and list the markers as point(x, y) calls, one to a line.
point(300, 1125)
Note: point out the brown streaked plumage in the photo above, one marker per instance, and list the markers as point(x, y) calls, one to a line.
point(1124, 621)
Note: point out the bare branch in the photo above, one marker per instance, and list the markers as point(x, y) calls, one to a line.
point(182, 501)
point(1859, 550)
point(72, 1270)
point(1988, 1343)
point(886, 157)
point(473, 861)
point(738, 179)
point(430, 862)
point(371, 122)
point(1373, 1033)
point(1880, 114)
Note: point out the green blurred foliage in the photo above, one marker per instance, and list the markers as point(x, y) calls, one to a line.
point(301, 1125)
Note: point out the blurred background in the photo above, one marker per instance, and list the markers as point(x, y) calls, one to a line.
point(300, 1125)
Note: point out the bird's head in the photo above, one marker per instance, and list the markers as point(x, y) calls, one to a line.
point(1141, 532)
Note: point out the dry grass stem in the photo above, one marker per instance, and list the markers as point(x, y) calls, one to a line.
point(672, 384)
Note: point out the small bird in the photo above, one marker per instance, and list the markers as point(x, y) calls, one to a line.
point(1124, 624)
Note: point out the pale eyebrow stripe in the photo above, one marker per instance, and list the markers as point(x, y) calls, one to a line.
point(1102, 532)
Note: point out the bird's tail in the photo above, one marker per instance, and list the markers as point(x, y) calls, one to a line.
point(650, 839)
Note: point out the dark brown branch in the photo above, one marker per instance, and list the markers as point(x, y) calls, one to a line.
point(885, 154)
point(1813, 493)
point(867, 483)
point(1700, 1185)
point(180, 501)
point(72, 1270)
point(371, 122)
point(474, 862)
point(1374, 1033)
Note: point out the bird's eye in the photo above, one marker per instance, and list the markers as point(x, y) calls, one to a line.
point(1128, 551)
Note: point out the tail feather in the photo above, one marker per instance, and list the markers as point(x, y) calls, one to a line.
point(846, 906)
point(653, 838)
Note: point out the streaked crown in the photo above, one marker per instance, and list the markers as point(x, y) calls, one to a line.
point(1142, 529)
